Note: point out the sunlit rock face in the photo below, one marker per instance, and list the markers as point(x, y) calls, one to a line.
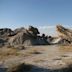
point(27, 37)
point(64, 33)
point(21, 36)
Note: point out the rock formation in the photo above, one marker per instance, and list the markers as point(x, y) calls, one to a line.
point(30, 36)
point(65, 34)
point(27, 37)
point(33, 30)
point(5, 33)
point(23, 37)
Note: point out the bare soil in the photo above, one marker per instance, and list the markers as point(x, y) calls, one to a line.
point(45, 57)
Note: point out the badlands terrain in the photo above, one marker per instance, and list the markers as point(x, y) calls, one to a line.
point(24, 50)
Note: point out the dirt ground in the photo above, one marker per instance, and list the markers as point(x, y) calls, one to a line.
point(47, 57)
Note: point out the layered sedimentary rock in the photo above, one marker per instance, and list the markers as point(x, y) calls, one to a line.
point(27, 37)
point(30, 36)
point(22, 36)
point(5, 33)
point(65, 34)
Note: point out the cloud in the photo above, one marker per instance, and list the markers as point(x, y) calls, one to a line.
point(46, 27)
point(48, 30)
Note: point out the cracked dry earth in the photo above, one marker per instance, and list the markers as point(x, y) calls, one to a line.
point(43, 58)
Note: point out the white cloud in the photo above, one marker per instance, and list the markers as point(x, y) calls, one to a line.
point(46, 27)
point(48, 30)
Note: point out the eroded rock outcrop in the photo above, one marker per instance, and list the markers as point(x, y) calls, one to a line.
point(5, 33)
point(65, 34)
point(27, 37)
point(30, 36)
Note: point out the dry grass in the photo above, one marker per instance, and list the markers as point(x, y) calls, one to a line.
point(65, 48)
point(8, 52)
point(38, 55)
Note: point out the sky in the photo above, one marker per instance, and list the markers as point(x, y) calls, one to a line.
point(43, 14)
